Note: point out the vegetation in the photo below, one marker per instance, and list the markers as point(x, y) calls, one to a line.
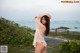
point(71, 35)
point(70, 47)
point(13, 34)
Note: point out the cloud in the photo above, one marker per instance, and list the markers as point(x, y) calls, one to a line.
point(29, 8)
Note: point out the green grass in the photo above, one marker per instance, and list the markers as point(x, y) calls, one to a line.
point(70, 47)
point(51, 48)
point(19, 49)
point(70, 35)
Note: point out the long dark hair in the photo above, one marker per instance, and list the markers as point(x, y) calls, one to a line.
point(47, 25)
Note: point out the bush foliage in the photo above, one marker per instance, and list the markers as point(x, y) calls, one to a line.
point(70, 47)
point(13, 33)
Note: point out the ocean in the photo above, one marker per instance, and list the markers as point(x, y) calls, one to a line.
point(72, 25)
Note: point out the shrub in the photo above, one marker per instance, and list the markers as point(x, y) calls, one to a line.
point(70, 47)
point(12, 33)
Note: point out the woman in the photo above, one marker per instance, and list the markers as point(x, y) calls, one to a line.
point(42, 30)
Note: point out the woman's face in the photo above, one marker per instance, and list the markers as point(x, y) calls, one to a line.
point(43, 20)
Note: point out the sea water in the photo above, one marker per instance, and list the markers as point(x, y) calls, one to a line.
point(72, 25)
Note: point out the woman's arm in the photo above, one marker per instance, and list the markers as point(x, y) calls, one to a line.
point(37, 20)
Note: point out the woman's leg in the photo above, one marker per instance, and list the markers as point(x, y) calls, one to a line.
point(44, 50)
point(39, 47)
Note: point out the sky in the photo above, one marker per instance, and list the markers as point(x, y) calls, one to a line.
point(20, 10)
